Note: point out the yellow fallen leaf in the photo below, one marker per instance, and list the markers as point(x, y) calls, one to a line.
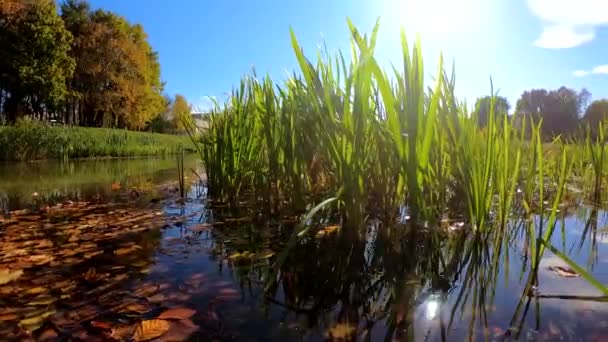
point(6, 275)
point(340, 331)
point(151, 329)
point(327, 230)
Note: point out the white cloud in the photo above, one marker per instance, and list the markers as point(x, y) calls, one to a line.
point(598, 70)
point(568, 23)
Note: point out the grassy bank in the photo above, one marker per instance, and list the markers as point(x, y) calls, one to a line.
point(29, 140)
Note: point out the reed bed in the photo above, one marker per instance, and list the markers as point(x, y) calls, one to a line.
point(380, 141)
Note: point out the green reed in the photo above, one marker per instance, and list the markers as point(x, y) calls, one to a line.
point(379, 141)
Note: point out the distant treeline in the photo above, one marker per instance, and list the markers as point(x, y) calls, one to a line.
point(79, 66)
point(563, 112)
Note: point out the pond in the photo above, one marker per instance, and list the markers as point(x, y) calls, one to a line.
point(107, 250)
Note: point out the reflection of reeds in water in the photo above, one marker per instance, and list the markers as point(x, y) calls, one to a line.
point(180, 172)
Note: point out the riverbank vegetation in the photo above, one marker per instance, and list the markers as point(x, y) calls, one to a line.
point(35, 140)
point(351, 143)
point(79, 66)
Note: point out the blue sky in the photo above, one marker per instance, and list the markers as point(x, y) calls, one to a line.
point(206, 46)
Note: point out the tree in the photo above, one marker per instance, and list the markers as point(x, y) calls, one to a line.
point(179, 109)
point(117, 78)
point(484, 104)
point(596, 113)
point(34, 58)
point(558, 109)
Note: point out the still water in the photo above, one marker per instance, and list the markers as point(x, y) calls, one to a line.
point(121, 248)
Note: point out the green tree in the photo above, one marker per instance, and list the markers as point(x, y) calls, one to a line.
point(596, 113)
point(558, 109)
point(34, 58)
point(484, 104)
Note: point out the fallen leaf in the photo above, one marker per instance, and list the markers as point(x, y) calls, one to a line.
point(180, 331)
point(116, 186)
point(126, 250)
point(122, 332)
point(564, 271)
point(101, 325)
point(150, 329)
point(177, 313)
point(6, 275)
point(33, 323)
point(42, 300)
point(340, 331)
point(136, 308)
point(48, 335)
point(8, 317)
point(327, 230)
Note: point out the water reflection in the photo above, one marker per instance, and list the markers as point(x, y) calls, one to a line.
point(387, 282)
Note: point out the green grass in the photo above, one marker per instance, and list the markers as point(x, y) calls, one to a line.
point(30, 140)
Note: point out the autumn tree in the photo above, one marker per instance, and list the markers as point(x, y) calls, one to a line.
point(483, 107)
point(117, 78)
point(179, 109)
point(34, 58)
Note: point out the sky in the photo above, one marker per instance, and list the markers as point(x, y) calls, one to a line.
point(205, 47)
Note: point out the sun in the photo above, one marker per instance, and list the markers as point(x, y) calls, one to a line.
point(431, 17)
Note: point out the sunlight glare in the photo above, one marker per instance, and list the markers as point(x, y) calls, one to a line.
point(435, 16)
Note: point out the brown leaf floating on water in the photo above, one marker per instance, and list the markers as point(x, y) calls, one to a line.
point(138, 308)
point(126, 250)
point(6, 275)
point(150, 329)
point(564, 272)
point(48, 335)
point(177, 313)
point(327, 230)
point(340, 331)
point(179, 331)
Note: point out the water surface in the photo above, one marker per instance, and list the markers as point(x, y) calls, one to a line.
point(379, 285)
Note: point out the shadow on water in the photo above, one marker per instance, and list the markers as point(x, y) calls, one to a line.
point(98, 269)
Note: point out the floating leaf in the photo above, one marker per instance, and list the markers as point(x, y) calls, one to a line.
point(122, 332)
point(327, 230)
point(138, 308)
point(177, 313)
point(150, 329)
point(48, 335)
point(43, 300)
point(6, 275)
point(180, 331)
point(340, 331)
point(8, 317)
point(126, 250)
point(565, 272)
point(33, 323)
